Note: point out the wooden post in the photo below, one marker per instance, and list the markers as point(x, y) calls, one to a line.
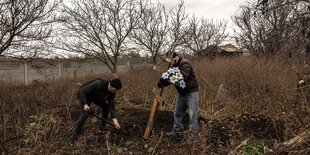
point(26, 73)
point(156, 101)
point(151, 119)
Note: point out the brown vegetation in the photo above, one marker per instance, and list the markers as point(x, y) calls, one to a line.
point(259, 103)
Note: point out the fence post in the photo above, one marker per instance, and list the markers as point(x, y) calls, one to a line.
point(26, 73)
point(59, 69)
point(220, 94)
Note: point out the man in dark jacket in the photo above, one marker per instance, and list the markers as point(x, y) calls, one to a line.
point(102, 93)
point(188, 97)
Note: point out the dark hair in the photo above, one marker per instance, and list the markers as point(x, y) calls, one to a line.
point(174, 55)
point(116, 83)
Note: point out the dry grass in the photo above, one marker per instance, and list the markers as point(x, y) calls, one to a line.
point(251, 84)
point(264, 86)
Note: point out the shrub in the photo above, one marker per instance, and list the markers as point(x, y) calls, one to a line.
point(251, 147)
point(40, 129)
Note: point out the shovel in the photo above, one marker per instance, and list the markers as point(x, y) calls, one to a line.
point(106, 121)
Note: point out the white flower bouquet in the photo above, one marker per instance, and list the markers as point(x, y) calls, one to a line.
point(174, 76)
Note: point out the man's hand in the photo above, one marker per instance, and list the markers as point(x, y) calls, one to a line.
point(86, 107)
point(115, 122)
point(168, 60)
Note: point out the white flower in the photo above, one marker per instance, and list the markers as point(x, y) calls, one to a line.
point(165, 76)
point(182, 84)
point(171, 71)
point(176, 69)
point(174, 76)
point(173, 79)
point(179, 75)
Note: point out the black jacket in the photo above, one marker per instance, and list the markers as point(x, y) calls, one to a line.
point(97, 91)
point(189, 77)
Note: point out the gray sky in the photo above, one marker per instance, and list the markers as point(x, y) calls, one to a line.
point(210, 9)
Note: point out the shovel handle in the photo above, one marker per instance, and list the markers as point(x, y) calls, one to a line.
point(105, 120)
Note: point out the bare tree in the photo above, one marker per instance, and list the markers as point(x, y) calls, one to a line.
point(203, 34)
point(152, 30)
point(271, 27)
point(245, 36)
point(178, 26)
point(99, 28)
point(160, 32)
point(24, 26)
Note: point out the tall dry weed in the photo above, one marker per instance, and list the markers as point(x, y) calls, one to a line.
point(255, 84)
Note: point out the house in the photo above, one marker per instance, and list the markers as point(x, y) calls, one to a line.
point(228, 50)
point(222, 50)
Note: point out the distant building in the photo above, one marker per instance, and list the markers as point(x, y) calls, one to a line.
point(228, 50)
point(223, 50)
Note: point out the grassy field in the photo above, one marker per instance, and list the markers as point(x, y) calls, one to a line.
point(259, 105)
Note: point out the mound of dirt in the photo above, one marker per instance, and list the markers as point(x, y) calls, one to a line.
point(215, 136)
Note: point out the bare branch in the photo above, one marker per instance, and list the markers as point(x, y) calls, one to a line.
point(273, 27)
point(25, 25)
point(99, 28)
point(152, 29)
point(178, 24)
point(203, 34)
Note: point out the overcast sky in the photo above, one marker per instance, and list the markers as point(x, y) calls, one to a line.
point(210, 9)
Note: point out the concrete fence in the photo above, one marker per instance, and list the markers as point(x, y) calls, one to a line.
point(27, 73)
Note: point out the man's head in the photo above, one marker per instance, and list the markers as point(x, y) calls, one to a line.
point(115, 85)
point(175, 57)
point(174, 54)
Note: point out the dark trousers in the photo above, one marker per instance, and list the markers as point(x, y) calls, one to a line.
point(83, 117)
